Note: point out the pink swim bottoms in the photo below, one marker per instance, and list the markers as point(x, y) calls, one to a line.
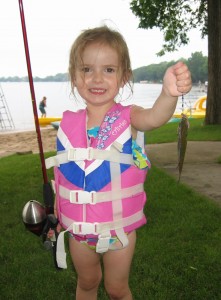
point(91, 242)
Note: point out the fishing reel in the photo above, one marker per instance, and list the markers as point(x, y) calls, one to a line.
point(37, 221)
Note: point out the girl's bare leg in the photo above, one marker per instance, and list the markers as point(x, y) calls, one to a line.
point(88, 268)
point(117, 269)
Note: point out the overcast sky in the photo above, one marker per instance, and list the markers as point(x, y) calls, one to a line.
point(52, 26)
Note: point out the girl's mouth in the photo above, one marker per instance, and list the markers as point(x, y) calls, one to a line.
point(97, 91)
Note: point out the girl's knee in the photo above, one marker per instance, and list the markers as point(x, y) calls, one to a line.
point(118, 291)
point(89, 283)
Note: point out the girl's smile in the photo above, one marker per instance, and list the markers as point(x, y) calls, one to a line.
point(97, 91)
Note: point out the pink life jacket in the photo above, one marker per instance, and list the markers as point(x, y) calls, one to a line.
point(99, 190)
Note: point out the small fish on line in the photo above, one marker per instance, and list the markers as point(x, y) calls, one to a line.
point(182, 142)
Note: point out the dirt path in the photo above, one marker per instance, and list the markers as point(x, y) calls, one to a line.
point(200, 171)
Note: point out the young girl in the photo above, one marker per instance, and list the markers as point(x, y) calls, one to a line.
point(101, 166)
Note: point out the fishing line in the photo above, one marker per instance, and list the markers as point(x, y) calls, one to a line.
point(183, 124)
point(174, 41)
point(182, 103)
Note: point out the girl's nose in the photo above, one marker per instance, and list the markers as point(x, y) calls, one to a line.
point(97, 76)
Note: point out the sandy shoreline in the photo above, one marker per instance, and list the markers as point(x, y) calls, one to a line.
point(201, 170)
point(12, 142)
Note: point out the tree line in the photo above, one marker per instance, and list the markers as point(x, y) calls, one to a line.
point(60, 77)
point(197, 64)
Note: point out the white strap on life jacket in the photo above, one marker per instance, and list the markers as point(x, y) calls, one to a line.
point(83, 228)
point(116, 205)
point(84, 197)
point(78, 154)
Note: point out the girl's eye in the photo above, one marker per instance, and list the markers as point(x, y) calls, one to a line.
point(85, 69)
point(110, 70)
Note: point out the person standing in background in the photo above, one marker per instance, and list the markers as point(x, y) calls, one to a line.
point(42, 106)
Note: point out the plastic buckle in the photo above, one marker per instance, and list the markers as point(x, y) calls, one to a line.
point(75, 154)
point(83, 197)
point(90, 153)
point(84, 228)
point(103, 243)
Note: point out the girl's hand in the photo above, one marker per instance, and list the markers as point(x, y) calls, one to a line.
point(51, 231)
point(177, 80)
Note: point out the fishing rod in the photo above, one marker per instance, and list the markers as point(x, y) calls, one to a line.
point(47, 187)
point(37, 218)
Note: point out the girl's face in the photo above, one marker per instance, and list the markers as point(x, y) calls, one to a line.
point(97, 79)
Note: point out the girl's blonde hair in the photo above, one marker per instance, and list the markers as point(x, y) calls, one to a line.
point(103, 35)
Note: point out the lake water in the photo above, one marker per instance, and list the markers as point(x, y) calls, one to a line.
point(59, 99)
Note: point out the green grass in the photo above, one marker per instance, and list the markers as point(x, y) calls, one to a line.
point(177, 255)
point(197, 132)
